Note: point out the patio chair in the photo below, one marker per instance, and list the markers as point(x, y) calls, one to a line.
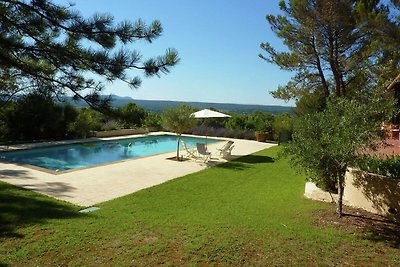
point(190, 152)
point(203, 153)
point(226, 150)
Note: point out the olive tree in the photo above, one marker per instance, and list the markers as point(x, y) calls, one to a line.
point(326, 143)
point(178, 120)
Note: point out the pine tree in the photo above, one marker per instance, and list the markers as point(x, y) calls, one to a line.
point(334, 46)
point(51, 47)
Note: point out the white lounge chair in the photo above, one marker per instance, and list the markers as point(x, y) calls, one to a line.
point(190, 152)
point(226, 150)
point(203, 153)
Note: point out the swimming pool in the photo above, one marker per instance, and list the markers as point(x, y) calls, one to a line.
point(75, 156)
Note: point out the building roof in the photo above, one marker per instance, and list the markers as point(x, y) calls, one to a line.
point(394, 83)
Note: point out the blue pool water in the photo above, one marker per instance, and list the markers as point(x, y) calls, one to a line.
point(68, 157)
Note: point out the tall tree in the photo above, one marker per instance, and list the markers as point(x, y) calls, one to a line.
point(332, 45)
point(51, 46)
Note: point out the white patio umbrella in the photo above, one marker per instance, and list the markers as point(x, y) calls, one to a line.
point(207, 113)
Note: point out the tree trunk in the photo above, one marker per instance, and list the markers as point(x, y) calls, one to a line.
point(333, 63)
point(339, 208)
point(320, 70)
point(177, 147)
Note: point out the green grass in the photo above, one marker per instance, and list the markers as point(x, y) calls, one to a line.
point(247, 212)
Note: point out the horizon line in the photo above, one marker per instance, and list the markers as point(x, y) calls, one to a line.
point(205, 102)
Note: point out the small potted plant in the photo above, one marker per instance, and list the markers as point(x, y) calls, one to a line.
point(261, 136)
point(263, 132)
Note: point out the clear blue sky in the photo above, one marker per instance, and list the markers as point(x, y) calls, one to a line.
point(218, 43)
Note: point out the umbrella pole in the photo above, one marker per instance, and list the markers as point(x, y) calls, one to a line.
point(206, 132)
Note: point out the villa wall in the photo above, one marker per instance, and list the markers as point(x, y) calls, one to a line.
point(374, 193)
point(118, 132)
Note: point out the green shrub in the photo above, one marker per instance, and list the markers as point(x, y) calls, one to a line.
point(255, 122)
point(389, 166)
point(5, 112)
point(236, 122)
point(86, 121)
point(152, 121)
point(131, 115)
point(283, 127)
point(37, 116)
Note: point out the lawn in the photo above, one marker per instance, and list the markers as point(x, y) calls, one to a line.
point(246, 212)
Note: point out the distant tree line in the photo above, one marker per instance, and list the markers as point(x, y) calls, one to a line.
point(38, 116)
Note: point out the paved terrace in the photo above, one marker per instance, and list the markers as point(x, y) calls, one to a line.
point(389, 147)
point(86, 187)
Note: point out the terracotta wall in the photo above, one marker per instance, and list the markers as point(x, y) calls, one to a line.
point(374, 193)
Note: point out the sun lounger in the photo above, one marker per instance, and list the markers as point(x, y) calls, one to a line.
point(203, 153)
point(226, 150)
point(190, 152)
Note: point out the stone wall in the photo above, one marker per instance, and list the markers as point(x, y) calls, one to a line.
point(371, 192)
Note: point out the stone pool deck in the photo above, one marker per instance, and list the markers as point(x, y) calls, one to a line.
point(86, 187)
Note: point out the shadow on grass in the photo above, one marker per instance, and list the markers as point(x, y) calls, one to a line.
point(254, 159)
point(20, 207)
point(245, 162)
point(363, 224)
point(380, 230)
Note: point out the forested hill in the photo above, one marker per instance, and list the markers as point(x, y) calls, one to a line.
point(160, 105)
